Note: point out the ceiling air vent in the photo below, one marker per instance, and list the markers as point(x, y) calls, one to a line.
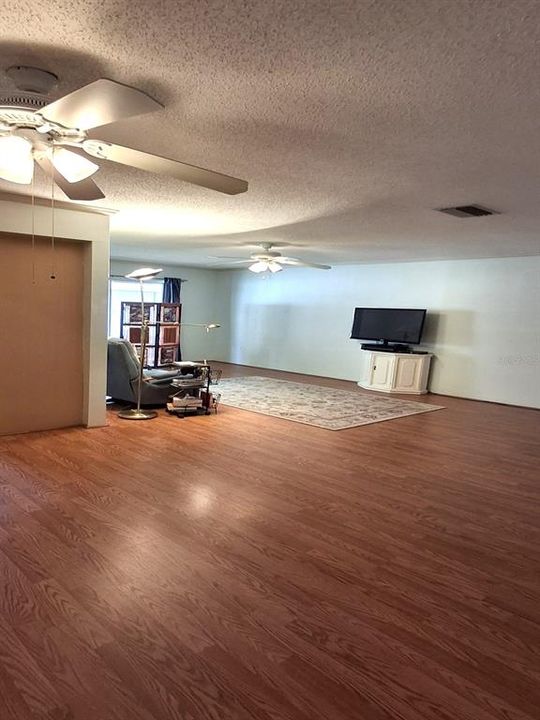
point(464, 211)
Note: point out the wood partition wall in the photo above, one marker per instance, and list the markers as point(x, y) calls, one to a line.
point(41, 332)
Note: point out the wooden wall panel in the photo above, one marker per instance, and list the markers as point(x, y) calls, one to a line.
point(41, 335)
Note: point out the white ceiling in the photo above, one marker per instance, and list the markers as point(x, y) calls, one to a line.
point(351, 121)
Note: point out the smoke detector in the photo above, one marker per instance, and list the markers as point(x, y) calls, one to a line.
point(466, 211)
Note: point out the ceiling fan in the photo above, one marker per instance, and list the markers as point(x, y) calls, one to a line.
point(55, 136)
point(268, 260)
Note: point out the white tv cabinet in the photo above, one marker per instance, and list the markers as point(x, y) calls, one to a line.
point(397, 372)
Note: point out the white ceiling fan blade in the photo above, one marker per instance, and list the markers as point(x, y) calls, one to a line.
point(165, 166)
point(85, 190)
point(301, 263)
point(99, 103)
point(232, 261)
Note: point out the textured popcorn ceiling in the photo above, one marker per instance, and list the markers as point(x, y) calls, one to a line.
point(351, 121)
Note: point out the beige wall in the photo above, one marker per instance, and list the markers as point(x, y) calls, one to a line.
point(41, 353)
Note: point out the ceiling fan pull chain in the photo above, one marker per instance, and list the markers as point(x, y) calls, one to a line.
point(53, 246)
point(33, 232)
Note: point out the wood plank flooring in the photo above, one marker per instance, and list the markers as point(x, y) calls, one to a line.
point(242, 567)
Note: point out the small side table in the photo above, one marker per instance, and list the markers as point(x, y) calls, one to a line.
point(193, 388)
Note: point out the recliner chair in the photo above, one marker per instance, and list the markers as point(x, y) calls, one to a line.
point(123, 376)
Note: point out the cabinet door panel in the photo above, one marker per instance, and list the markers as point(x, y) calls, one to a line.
point(408, 373)
point(382, 369)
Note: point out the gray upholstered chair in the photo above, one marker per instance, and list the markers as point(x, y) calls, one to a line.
point(123, 376)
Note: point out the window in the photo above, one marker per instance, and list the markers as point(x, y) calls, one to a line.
point(128, 291)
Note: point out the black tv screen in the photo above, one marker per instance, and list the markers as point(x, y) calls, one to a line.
point(388, 324)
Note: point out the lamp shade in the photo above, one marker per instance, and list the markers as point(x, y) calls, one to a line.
point(263, 265)
point(72, 166)
point(259, 266)
point(16, 159)
point(145, 273)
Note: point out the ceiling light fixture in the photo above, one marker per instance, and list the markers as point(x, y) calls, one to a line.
point(270, 261)
point(65, 122)
point(265, 265)
point(16, 159)
point(72, 166)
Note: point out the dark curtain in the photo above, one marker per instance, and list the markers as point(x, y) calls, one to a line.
point(171, 290)
point(171, 294)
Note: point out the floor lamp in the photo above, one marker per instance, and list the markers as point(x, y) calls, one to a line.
point(137, 413)
point(207, 326)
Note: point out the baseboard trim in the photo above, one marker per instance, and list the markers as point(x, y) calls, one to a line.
point(326, 377)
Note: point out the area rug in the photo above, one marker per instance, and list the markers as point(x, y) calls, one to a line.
point(316, 405)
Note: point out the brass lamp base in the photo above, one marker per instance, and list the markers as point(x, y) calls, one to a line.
point(135, 414)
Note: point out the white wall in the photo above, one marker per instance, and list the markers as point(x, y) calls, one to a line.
point(483, 323)
point(201, 303)
point(91, 227)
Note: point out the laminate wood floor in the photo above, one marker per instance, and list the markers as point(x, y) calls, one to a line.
point(242, 567)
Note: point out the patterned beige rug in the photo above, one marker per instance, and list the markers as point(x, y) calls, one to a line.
point(314, 404)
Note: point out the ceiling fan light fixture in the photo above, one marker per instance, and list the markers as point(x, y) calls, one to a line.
point(72, 166)
point(16, 159)
point(259, 266)
point(272, 261)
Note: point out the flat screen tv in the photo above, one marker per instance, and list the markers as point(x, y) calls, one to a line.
point(388, 325)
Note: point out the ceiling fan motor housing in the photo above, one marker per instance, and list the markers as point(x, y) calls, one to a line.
point(31, 79)
point(23, 101)
point(266, 255)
